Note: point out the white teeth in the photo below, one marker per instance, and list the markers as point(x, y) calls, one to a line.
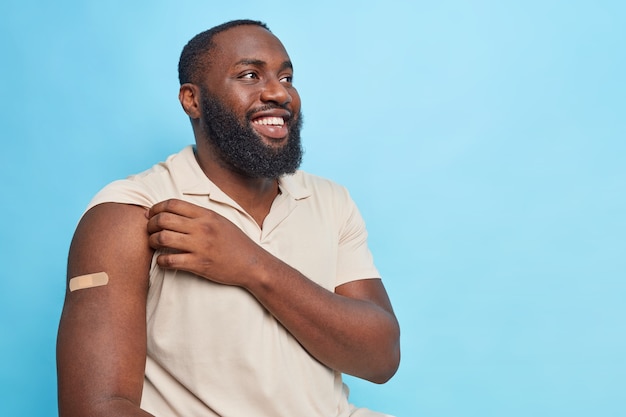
point(277, 121)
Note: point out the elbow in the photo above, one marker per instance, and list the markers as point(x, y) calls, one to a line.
point(389, 359)
point(388, 367)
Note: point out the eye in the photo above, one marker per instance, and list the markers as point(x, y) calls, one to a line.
point(249, 76)
point(287, 79)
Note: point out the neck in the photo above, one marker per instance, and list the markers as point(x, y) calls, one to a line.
point(254, 195)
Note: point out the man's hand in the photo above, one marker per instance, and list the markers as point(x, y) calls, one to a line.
point(200, 241)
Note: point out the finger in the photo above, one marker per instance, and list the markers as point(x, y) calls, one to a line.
point(182, 261)
point(169, 260)
point(169, 221)
point(167, 239)
point(176, 206)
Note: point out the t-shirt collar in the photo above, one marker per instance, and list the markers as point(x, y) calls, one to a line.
point(193, 181)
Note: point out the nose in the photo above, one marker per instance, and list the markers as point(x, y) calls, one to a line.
point(276, 92)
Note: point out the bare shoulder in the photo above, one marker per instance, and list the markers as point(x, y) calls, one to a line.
point(110, 238)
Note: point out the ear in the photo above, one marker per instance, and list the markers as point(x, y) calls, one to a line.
point(189, 97)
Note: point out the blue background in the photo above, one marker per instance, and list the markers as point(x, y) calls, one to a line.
point(484, 142)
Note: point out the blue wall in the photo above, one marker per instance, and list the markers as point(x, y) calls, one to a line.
point(484, 141)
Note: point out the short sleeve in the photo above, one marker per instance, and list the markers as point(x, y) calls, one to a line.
point(123, 191)
point(354, 260)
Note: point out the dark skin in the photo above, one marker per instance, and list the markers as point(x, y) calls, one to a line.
point(102, 336)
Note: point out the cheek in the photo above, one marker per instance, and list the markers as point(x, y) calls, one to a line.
point(239, 104)
point(239, 99)
point(236, 98)
point(295, 99)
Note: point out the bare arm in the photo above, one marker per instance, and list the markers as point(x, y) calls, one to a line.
point(352, 330)
point(101, 345)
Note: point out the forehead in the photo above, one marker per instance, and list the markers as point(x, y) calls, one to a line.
point(247, 42)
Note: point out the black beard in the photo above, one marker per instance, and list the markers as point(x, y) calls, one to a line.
point(240, 147)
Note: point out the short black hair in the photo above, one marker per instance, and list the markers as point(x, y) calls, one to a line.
point(195, 55)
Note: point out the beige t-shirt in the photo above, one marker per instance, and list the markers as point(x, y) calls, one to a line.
point(213, 350)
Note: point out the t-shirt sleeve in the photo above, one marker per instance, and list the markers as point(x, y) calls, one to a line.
point(124, 191)
point(354, 261)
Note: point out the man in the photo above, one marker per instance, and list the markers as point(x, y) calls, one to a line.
point(225, 282)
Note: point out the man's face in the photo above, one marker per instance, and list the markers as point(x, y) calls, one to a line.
point(250, 109)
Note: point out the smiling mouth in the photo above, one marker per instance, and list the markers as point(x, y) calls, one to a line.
point(272, 127)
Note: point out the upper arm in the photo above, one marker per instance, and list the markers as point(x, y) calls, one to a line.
point(101, 346)
point(379, 318)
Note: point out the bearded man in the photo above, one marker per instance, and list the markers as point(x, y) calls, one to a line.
point(225, 281)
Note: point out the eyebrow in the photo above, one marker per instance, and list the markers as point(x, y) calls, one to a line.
point(260, 63)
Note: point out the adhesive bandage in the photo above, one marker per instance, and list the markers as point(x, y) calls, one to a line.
point(90, 280)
